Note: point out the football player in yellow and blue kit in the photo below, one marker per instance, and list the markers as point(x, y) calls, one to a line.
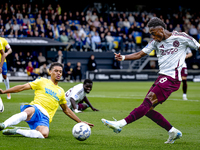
point(39, 113)
point(7, 47)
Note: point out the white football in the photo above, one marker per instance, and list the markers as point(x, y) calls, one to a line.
point(1, 106)
point(81, 131)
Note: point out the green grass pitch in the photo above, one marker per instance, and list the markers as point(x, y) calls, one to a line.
point(113, 99)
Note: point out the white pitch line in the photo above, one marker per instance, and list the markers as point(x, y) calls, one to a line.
point(142, 96)
point(122, 97)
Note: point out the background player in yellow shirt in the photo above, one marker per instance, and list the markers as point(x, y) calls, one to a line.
point(7, 47)
point(39, 113)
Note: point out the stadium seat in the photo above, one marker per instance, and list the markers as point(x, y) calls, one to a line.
point(76, 22)
point(117, 41)
point(70, 22)
point(138, 37)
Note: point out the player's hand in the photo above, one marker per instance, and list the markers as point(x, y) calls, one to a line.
point(91, 125)
point(77, 111)
point(94, 109)
point(1, 91)
point(118, 57)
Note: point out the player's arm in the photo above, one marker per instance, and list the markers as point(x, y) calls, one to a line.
point(71, 114)
point(9, 50)
point(73, 103)
point(133, 56)
point(88, 102)
point(16, 89)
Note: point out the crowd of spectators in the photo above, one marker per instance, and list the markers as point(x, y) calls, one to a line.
point(89, 30)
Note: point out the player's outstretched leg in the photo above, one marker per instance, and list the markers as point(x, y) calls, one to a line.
point(115, 125)
point(136, 114)
point(26, 133)
point(173, 135)
point(13, 120)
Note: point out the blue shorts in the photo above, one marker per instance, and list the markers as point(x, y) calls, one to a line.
point(38, 118)
point(4, 69)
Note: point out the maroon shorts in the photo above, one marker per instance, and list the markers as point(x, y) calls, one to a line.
point(184, 72)
point(164, 86)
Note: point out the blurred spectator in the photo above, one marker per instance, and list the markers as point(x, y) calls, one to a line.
point(96, 41)
point(78, 41)
point(77, 71)
point(21, 32)
point(83, 21)
point(103, 42)
point(67, 72)
point(22, 60)
point(131, 43)
point(72, 43)
point(73, 27)
point(89, 42)
point(15, 26)
point(120, 23)
point(178, 28)
point(92, 65)
point(109, 40)
point(112, 29)
point(28, 58)
point(26, 19)
point(64, 38)
point(44, 72)
point(19, 14)
point(19, 20)
point(193, 32)
point(96, 22)
point(8, 25)
point(16, 62)
point(131, 18)
point(94, 16)
point(41, 59)
point(124, 42)
point(30, 71)
point(60, 58)
point(35, 63)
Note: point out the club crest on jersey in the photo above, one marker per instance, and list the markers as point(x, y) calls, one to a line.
point(176, 43)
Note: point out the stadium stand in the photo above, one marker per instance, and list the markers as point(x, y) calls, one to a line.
point(50, 21)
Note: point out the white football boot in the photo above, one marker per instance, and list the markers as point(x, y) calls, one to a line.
point(173, 135)
point(115, 125)
point(185, 97)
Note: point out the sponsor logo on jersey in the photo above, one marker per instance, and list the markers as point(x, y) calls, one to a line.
point(176, 43)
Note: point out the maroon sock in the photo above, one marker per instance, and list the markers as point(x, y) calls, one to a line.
point(184, 86)
point(159, 119)
point(140, 111)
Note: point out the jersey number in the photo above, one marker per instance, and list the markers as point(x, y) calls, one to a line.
point(162, 80)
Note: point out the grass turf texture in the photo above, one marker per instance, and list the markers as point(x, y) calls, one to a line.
point(113, 99)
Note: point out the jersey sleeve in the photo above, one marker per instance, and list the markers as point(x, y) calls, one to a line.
point(149, 47)
point(192, 43)
point(36, 84)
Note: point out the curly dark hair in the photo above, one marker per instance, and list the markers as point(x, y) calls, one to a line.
point(155, 21)
point(55, 64)
point(87, 81)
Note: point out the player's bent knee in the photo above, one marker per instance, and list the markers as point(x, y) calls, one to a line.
point(152, 97)
point(45, 135)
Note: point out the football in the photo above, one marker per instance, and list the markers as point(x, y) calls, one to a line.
point(81, 131)
point(1, 106)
